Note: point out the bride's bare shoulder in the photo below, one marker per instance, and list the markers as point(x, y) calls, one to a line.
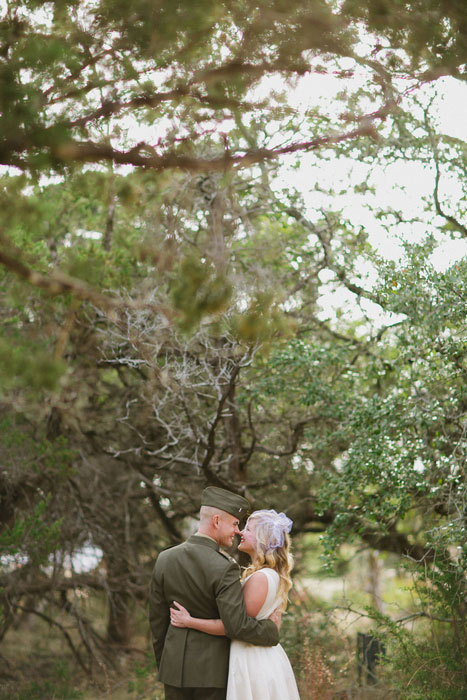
point(255, 591)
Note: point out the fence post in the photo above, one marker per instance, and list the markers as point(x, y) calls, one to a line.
point(370, 650)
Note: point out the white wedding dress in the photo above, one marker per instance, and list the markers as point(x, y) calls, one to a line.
point(261, 673)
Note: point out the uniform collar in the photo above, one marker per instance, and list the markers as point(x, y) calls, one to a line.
point(206, 541)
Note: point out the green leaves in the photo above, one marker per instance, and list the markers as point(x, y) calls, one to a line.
point(29, 367)
point(262, 321)
point(31, 538)
point(198, 290)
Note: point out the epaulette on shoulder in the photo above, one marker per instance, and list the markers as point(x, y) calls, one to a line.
point(228, 557)
point(169, 546)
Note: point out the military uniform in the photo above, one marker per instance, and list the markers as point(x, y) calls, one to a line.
point(207, 583)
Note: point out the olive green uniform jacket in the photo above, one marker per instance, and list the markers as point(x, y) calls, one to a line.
point(207, 583)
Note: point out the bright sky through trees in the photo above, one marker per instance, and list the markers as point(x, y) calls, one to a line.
point(402, 186)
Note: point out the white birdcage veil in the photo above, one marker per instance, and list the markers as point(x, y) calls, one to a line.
point(274, 527)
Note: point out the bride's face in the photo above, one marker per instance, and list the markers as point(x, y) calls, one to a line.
point(248, 539)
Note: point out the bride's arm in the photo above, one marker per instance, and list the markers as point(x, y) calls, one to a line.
point(254, 591)
point(182, 618)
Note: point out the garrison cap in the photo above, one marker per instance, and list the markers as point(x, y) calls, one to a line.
point(225, 500)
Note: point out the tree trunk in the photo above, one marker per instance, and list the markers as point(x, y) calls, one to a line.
point(119, 627)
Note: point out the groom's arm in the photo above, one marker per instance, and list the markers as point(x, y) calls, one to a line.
point(159, 615)
point(237, 623)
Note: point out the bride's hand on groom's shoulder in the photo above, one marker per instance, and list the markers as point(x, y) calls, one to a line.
point(179, 616)
point(276, 617)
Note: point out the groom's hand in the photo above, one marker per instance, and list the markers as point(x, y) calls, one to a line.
point(276, 617)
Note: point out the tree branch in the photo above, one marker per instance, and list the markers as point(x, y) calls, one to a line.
point(56, 282)
point(294, 439)
point(211, 438)
point(439, 210)
point(328, 257)
point(138, 156)
point(172, 531)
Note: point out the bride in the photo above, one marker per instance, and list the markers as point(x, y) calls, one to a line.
point(255, 672)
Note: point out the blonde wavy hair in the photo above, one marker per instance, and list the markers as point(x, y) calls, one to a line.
point(272, 552)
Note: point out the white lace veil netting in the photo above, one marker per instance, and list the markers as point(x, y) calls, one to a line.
point(274, 525)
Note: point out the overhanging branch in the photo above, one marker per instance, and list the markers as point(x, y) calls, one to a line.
point(144, 155)
point(57, 282)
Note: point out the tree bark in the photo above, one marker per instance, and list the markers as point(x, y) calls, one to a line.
point(119, 628)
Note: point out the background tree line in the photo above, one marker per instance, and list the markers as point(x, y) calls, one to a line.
point(162, 320)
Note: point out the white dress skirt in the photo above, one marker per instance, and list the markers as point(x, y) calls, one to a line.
point(261, 673)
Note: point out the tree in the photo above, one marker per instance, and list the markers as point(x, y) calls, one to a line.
point(172, 335)
point(78, 78)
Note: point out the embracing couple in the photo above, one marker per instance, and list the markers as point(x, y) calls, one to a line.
point(216, 637)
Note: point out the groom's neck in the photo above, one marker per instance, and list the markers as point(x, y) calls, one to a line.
point(204, 534)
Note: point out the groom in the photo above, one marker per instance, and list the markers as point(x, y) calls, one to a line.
point(193, 665)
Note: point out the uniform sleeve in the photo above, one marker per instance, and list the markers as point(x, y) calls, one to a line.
point(159, 615)
point(238, 625)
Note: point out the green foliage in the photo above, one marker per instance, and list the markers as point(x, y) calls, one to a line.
point(45, 455)
point(262, 321)
point(429, 666)
point(142, 677)
point(319, 652)
point(198, 290)
point(29, 367)
point(425, 30)
point(31, 536)
point(427, 662)
point(58, 687)
point(403, 438)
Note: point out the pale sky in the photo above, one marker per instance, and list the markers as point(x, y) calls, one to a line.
point(401, 186)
